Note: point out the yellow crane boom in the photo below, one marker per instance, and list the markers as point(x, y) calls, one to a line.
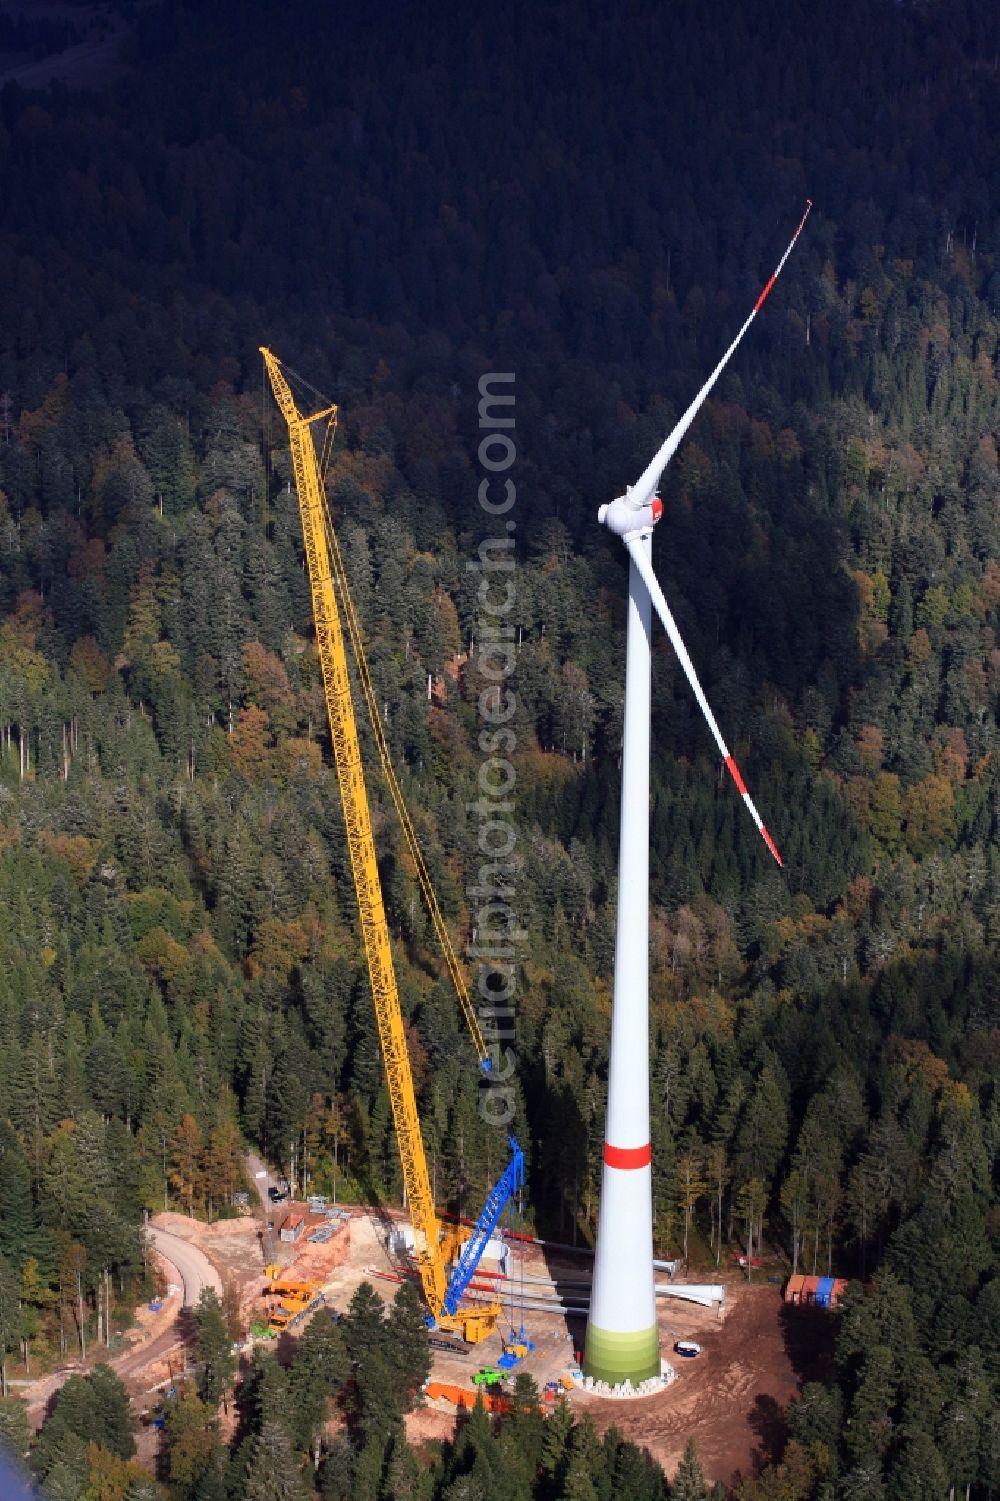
point(475, 1324)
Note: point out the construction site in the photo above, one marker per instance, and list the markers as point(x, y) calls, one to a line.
point(747, 1367)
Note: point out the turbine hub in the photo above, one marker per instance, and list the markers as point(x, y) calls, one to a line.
point(626, 519)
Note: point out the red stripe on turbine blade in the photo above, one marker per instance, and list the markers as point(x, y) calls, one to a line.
point(763, 296)
point(771, 845)
point(628, 1157)
point(777, 271)
point(734, 772)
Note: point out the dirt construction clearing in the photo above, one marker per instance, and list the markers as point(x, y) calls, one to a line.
point(730, 1398)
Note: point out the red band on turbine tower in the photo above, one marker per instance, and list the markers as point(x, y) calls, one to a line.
point(628, 1157)
point(734, 772)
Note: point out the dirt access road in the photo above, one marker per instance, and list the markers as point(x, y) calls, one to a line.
point(262, 1178)
point(181, 1262)
point(196, 1271)
point(90, 63)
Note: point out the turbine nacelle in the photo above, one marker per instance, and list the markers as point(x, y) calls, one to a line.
point(626, 519)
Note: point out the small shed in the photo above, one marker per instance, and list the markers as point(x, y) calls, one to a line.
point(292, 1227)
point(793, 1288)
point(401, 1241)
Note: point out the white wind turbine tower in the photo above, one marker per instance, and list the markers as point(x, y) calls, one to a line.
point(622, 1342)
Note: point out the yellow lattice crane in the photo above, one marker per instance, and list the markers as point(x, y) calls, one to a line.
point(325, 567)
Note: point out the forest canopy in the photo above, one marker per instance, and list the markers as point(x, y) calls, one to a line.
point(592, 201)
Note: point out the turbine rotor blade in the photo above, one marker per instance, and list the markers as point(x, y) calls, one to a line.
point(640, 558)
point(650, 477)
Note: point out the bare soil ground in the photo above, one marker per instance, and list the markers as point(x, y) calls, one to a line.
point(731, 1398)
point(232, 1246)
point(239, 1249)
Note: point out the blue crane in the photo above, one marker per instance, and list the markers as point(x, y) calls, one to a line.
point(507, 1185)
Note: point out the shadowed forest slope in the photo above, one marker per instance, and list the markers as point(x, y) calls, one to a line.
point(590, 198)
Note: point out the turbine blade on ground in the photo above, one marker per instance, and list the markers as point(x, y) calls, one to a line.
point(641, 560)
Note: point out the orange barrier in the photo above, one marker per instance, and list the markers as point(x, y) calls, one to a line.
point(465, 1400)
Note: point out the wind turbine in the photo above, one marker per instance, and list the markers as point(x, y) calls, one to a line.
point(622, 1342)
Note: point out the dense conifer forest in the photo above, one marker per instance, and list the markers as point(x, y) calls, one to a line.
point(589, 196)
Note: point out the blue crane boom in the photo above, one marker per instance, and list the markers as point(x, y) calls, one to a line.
point(506, 1186)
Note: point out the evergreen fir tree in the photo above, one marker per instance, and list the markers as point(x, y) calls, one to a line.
point(336, 1474)
point(19, 1233)
point(317, 1373)
point(554, 1444)
point(578, 1485)
point(272, 1473)
point(407, 1336)
point(688, 1483)
point(402, 1474)
point(10, 1318)
point(363, 1328)
point(214, 1349)
point(369, 1468)
point(113, 1416)
point(15, 1430)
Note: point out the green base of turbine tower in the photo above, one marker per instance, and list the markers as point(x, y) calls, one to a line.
point(615, 1358)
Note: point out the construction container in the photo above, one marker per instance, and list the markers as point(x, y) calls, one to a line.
point(292, 1227)
point(402, 1241)
point(494, 1250)
point(822, 1292)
